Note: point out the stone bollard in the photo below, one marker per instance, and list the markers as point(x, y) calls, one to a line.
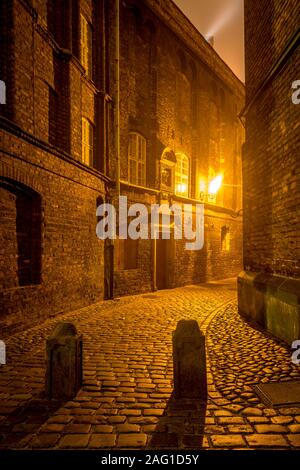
point(64, 362)
point(189, 361)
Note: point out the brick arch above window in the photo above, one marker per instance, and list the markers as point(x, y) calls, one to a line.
point(15, 174)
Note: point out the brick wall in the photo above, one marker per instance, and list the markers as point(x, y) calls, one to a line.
point(175, 91)
point(269, 25)
point(268, 288)
point(48, 93)
point(178, 94)
point(213, 261)
point(271, 162)
point(71, 255)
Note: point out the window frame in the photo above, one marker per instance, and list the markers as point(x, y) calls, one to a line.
point(87, 144)
point(86, 46)
point(138, 159)
point(182, 177)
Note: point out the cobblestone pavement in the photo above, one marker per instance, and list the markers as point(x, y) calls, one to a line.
point(127, 400)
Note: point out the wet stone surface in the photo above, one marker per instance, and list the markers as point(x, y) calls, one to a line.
point(127, 399)
point(242, 356)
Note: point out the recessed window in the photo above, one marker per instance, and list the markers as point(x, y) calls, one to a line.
point(137, 159)
point(225, 239)
point(182, 175)
point(126, 254)
point(87, 142)
point(166, 176)
point(183, 98)
point(86, 46)
point(21, 246)
point(53, 113)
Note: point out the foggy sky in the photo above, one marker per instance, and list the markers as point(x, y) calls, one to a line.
point(223, 19)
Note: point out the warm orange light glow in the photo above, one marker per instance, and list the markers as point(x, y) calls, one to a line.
point(202, 186)
point(215, 184)
point(181, 188)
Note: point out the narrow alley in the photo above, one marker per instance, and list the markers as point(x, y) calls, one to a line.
point(127, 397)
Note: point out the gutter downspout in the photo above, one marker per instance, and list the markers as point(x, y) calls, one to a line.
point(111, 244)
point(104, 85)
point(117, 100)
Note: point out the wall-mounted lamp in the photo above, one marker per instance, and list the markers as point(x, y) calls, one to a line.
point(213, 189)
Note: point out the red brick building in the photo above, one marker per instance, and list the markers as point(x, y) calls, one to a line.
point(178, 127)
point(269, 287)
point(182, 101)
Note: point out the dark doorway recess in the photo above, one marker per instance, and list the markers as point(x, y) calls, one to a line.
point(20, 234)
point(163, 262)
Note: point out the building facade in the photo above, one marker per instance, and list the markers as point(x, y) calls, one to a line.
point(64, 151)
point(269, 287)
point(180, 105)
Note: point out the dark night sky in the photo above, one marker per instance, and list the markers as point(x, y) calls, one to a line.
point(223, 19)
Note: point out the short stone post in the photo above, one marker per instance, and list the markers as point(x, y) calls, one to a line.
point(189, 361)
point(64, 362)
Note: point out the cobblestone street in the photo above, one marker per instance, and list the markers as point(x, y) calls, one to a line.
point(127, 400)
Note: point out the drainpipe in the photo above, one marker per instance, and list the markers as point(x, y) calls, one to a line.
point(154, 248)
point(117, 99)
point(104, 86)
point(111, 243)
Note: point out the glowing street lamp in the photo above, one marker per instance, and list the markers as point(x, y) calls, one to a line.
point(213, 188)
point(215, 185)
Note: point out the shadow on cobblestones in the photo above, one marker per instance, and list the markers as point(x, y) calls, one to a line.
point(181, 425)
point(25, 420)
point(243, 355)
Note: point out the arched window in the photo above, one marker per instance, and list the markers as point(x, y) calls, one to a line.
point(137, 159)
point(182, 169)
